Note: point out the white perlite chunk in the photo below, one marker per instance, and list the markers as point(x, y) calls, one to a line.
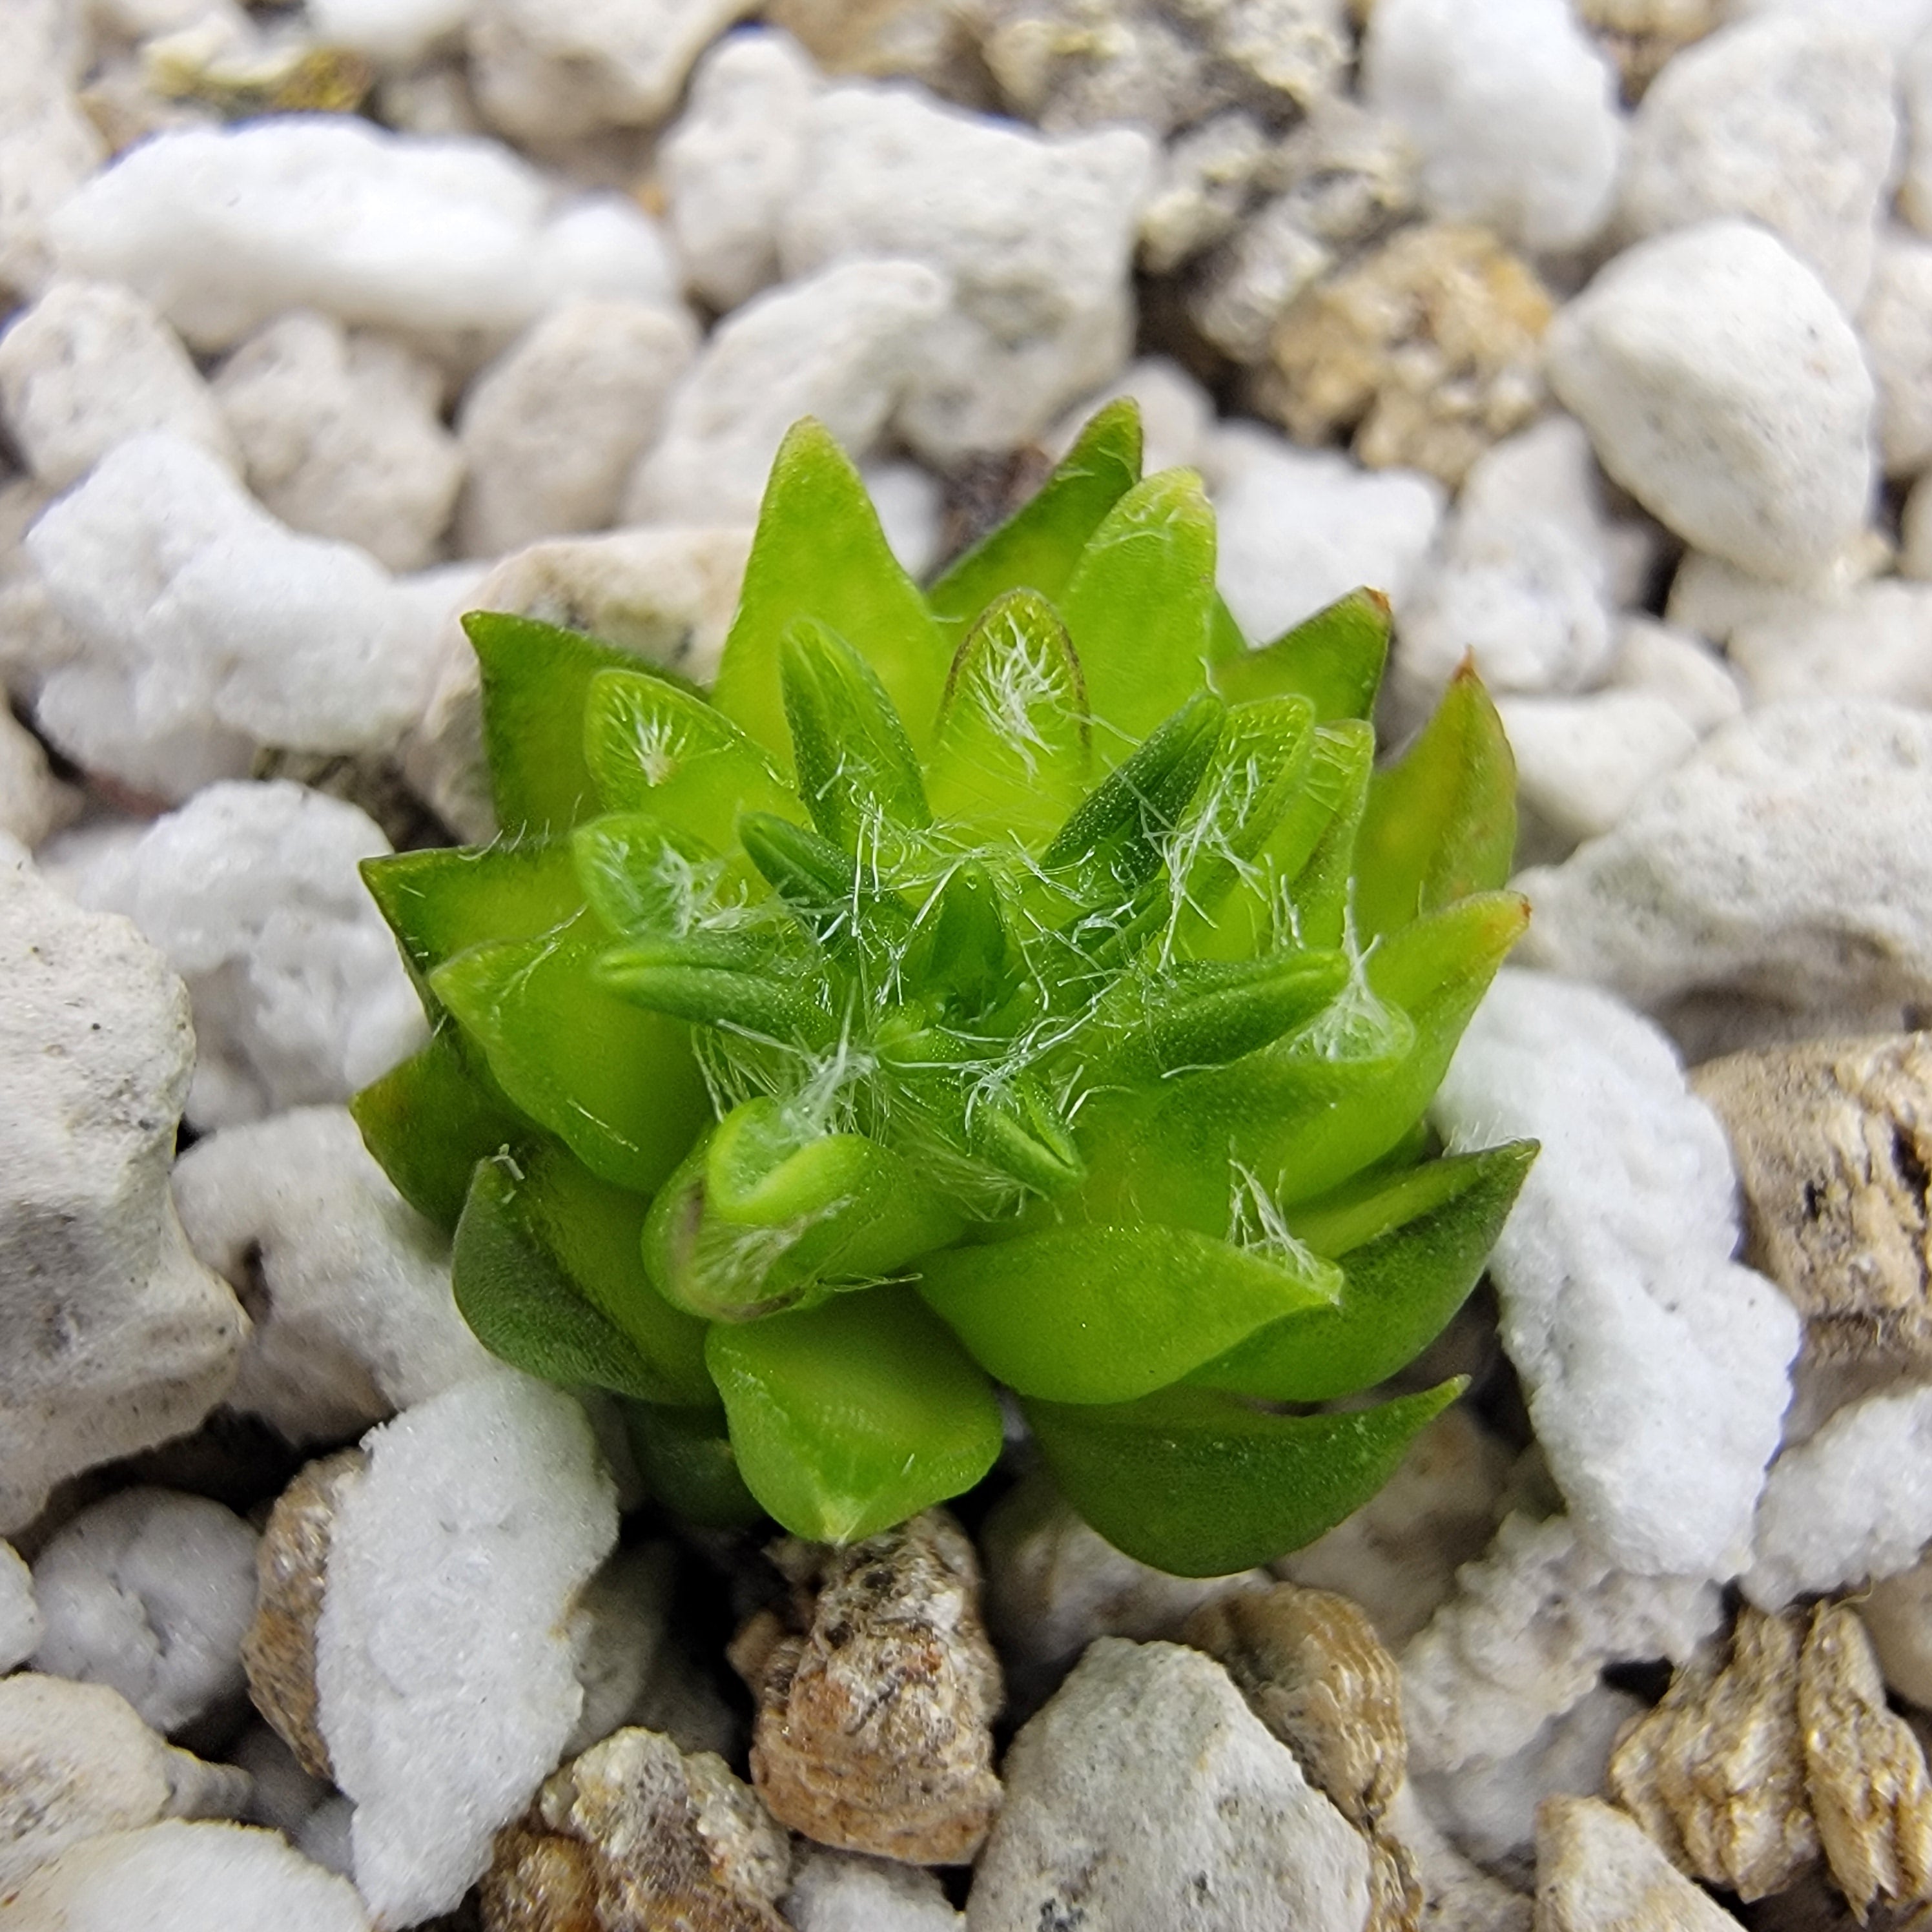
point(1722, 387)
point(1897, 1612)
point(252, 892)
point(88, 366)
point(176, 1877)
point(1915, 90)
point(1656, 1367)
point(1787, 120)
point(1598, 1871)
point(1896, 324)
point(224, 229)
point(396, 33)
point(1782, 861)
point(1665, 662)
point(342, 437)
point(1581, 762)
point(842, 345)
point(33, 803)
point(1147, 1793)
point(1871, 643)
point(75, 1761)
point(1511, 110)
point(20, 1620)
point(48, 146)
point(443, 1668)
point(149, 1593)
point(552, 428)
point(1299, 528)
point(349, 1285)
point(1037, 237)
point(1853, 1504)
point(1897, 23)
point(118, 1337)
point(837, 1892)
point(1527, 1636)
point(203, 622)
point(732, 162)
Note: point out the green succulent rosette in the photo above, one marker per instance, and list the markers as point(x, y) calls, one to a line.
point(1018, 982)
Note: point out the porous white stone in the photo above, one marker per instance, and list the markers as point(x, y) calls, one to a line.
point(1581, 762)
point(1462, 1897)
point(349, 1285)
point(1915, 94)
point(1895, 23)
point(207, 626)
point(443, 1669)
point(1299, 528)
point(90, 364)
point(1035, 236)
point(1662, 662)
point(837, 1892)
point(1527, 1636)
point(1723, 388)
point(20, 1620)
point(119, 1337)
point(1714, 599)
point(48, 146)
point(224, 229)
point(1522, 577)
point(149, 1593)
point(1787, 120)
point(1896, 324)
point(252, 893)
point(178, 1877)
point(33, 803)
point(1850, 1505)
point(1656, 1367)
point(76, 1761)
point(1510, 109)
point(551, 71)
point(342, 436)
point(1875, 643)
point(842, 345)
point(1779, 865)
point(1147, 1770)
point(552, 428)
point(911, 506)
point(731, 163)
point(1598, 1870)
point(397, 32)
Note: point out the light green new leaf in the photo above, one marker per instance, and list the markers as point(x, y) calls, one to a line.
point(1335, 659)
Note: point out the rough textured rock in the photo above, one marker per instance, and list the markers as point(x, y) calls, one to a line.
point(1868, 641)
point(873, 1728)
point(634, 1835)
point(1581, 762)
point(1147, 1793)
point(834, 1891)
point(1597, 1872)
point(122, 1337)
point(1897, 1615)
point(33, 803)
point(1666, 662)
point(1893, 326)
point(21, 1623)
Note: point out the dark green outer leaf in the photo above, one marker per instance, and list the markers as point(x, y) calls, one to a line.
point(685, 1456)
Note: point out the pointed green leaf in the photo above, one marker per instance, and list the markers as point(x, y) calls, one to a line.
point(819, 553)
point(851, 1416)
point(750, 984)
point(1411, 1249)
point(1199, 1014)
point(1096, 1314)
point(641, 876)
point(1335, 659)
point(1039, 546)
point(1200, 1484)
point(962, 944)
point(686, 1457)
point(1441, 822)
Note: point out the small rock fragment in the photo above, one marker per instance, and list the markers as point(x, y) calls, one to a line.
point(1897, 1615)
point(1894, 325)
point(1716, 1773)
point(33, 803)
point(21, 1623)
point(1869, 642)
point(834, 1892)
point(1461, 1896)
point(1583, 762)
point(873, 1728)
point(1597, 1872)
point(1640, 36)
point(1668, 663)
point(633, 1834)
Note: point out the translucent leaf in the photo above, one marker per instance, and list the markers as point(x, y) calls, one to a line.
point(819, 553)
point(1201, 1484)
point(686, 1458)
point(851, 1416)
point(1097, 1314)
point(1335, 659)
point(750, 984)
point(643, 876)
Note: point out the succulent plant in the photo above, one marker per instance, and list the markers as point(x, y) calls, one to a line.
point(1023, 982)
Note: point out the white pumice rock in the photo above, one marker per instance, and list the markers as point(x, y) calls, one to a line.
point(552, 430)
point(207, 626)
point(33, 802)
point(838, 1891)
point(348, 1284)
point(1176, 415)
point(48, 149)
point(90, 364)
point(1598, 1870)
point(149, 1593)
point(1873, 643)
point(1581, 762)
point(252, 893)
point(75, 1761)
point(1511, 110)
point(1656, 1367)
point(1788, 120)
point(1895, 23)
point(1895, 325)
point(1713, 600)
point(731, 163)
point(342, 436)
point(1724, 389)
point(396, 33)
point(1850, 1506)
point(21, 1623)
point(1914, 95)
point(1462, 1897)
point(224, 230)
point(1522, 577)
point(1666, 662)
point(122, 1338)
point(844, 345)
point(551, 71)
point(1526, 1637)
point(667, 594)
point(443, 1665)
point(1777, 866)
point(178, 1877)
point(1299, 528)
point(1146, 1768)
point(911, 504)
point(1036, 237)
